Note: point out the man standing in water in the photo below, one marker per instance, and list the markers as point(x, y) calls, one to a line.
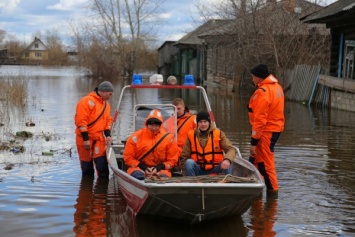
point(93, 130)
point(266, 116)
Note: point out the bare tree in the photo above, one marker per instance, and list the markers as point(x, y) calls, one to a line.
point(54, 43)
point(2, 35)
point(121, 28)
point(267, 31)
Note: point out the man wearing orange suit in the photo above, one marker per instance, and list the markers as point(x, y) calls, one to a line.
point(93, 130)
point(266, 116)
point(151, 150)
point(185, 122)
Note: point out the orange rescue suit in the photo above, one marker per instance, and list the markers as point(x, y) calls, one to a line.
point(266, 108)
point(266, 116)
point(88, 119)
point(210, 156)
point(185, 123)
point(141, 141)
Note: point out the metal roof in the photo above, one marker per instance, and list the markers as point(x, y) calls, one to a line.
point(192, 37)
point(338, 7)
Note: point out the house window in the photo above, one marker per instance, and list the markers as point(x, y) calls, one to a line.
point(38, 54)
point(36, 45)
point(348, 64)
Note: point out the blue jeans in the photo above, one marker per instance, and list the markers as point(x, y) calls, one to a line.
point(193, 169)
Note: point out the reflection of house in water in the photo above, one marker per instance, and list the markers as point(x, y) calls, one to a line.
point(36, 51)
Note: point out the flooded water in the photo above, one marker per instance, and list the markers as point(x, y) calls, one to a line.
point(42, 192)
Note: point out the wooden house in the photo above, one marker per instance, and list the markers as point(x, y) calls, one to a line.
point(36, 51)
point(166, 53)
point(191, 56)
point(270, 33)
point(339, 17)
point(222, 50)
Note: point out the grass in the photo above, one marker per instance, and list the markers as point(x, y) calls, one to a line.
point(13, 91)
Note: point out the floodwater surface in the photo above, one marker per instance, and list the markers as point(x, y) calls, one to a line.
point(42, 192)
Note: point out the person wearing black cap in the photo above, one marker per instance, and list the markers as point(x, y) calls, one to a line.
point(266, 116)
point(93, 130)
point(207, 150)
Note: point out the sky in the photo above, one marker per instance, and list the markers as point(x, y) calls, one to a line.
point(24, 18)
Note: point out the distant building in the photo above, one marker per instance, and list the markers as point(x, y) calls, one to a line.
point(37, 51)
point(166, 52)
point(72, 57)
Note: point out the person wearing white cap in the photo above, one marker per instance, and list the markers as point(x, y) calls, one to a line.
point(93, 130)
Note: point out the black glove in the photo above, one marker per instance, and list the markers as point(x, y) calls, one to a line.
point(160, 167)
point(142, 166)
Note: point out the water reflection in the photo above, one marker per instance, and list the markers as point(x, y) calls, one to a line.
point(231, 226)
point(90, 214)
point(264, 215)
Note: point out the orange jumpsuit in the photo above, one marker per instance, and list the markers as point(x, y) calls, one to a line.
point(185, 123)
point(141, 141)
point(92, 119)
point(266, 116)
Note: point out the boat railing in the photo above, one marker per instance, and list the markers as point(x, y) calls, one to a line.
point(244, 166)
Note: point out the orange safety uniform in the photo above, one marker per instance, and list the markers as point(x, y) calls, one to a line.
point(140, 143)
point(185, 123)
point(266, 116)
point(209, 156)
point(92, 116)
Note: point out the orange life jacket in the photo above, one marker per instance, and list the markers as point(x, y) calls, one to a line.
point(211, 155)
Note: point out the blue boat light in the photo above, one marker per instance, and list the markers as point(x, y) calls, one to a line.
point(136, 79)
point(189, 80)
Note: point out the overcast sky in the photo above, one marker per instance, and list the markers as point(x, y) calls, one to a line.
point(23, 18)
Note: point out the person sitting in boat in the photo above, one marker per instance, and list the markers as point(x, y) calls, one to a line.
point(207, 150)
point(151, 150)
point(185, 122)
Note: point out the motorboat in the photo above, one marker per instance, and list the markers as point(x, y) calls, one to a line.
point(180, 198)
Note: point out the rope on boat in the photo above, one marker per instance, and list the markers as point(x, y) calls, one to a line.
point(200, 179)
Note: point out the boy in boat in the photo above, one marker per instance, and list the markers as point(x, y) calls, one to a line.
point(207, 150)
point(93, 130)
point(150, 150)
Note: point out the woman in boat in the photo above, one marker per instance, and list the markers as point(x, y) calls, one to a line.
point(207, 150)
point(150, 150)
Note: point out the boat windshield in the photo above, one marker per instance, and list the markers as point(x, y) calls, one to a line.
point(136, 102)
